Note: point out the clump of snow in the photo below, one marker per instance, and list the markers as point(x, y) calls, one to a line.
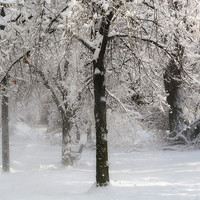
point(7, 1)
point(103, 99)
point(45, 167)
point(97, 71)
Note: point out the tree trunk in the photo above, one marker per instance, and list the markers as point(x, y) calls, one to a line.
point(102, 172)
point(172, 82)
point(66, 141)
point(102, 175)
point(173, 87)
point(5, 130)
point(78, 134)
point(89, 132)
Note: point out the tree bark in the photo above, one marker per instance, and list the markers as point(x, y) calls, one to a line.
point(5, 130)
point(78, 134)
point(102, 171)
point(66, 141)
point(89, 132)
point(172, 82)
point(102, 174)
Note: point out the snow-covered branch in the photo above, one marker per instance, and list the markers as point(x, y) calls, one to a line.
point(87, 44)
point(48, 30)
point(155, 43)
point(117, 99)
point(18, 60)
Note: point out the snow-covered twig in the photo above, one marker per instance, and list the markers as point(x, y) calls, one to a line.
point(114, 97)
point(87, 44)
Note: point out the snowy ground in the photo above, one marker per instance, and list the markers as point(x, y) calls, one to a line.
point(36, 174)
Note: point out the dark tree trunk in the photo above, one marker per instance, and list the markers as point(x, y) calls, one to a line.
point(66, 141)
point(102, 175)
point(102, 172)
point(173, 87)
point(172, 82)
point(5, 130)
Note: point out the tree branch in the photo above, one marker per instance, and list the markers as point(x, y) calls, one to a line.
point(6, 75)
point(85, 43)
point(145, 40)
point(47, 85)
point(118, 100)
point(146, 4)
point(48, 30)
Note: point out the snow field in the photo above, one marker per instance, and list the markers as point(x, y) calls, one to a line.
point(37, 174)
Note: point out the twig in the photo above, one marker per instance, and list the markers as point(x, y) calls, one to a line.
point(6, 75)
point(54, 19)
point(146, 4)
point(114, 97)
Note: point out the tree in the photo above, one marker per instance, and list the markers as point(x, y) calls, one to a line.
point(29, 25)
point(4, 110)
point(172, 41)
point(148, 36)
point(10, 39)
point(54, 72)
point(173, 80)
point(5, 128)
point(101, 39)
point(102, 175)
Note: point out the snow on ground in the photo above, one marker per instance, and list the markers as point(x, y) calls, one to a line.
point(36, 173)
